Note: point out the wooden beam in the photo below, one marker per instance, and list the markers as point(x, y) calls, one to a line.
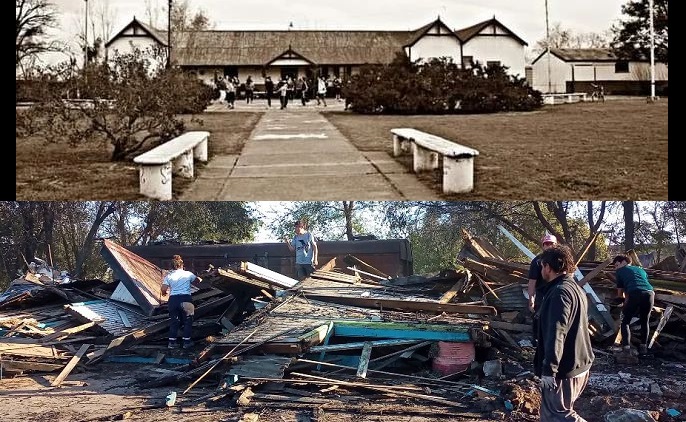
point(364, 360)
point(64, 333)
point(457, 287)
point(597, 270)
point(406, 305)
point(18, 365)
point(509, 326)
point(70, 366)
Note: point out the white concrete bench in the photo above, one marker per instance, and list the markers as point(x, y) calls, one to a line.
point(458, 160)
point(566, 98)
point(174, 157)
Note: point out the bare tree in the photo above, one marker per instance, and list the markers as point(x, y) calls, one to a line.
point(33, 19)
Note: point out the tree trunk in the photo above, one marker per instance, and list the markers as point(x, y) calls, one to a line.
point(29, 244)
point(348, 207)
point(104, 210)
point(628, 225)
point(592, 250)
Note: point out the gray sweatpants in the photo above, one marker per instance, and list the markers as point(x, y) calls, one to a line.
point(558, 404)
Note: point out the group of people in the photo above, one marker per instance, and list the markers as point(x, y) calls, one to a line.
point(564, 354)
point(288, 89)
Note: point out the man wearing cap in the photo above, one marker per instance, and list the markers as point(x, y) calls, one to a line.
point(537, 285)
point(633, 286)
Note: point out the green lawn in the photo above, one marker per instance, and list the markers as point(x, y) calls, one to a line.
point(583, 151)
point(56, 171)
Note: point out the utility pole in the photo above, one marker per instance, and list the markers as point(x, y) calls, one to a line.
point(169, 29)
point(652, 53)
point(85, 50)
point(547, 37)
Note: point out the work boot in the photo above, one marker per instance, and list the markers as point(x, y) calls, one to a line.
point(187, 344)
point(642, 349)
point(173, 344)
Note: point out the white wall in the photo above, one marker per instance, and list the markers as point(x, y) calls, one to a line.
point(434, 46)
point(560, 72)
point(126, 45)
point(505, 49)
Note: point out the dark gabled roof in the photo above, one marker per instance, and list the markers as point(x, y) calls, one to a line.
point(470, 32)
point(289, 54)
point(159, 36)
point(244, 48)
point(419, 33)
point(581, 55)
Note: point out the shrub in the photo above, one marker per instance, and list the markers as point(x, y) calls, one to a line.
point(133, 104)
point(438, 86)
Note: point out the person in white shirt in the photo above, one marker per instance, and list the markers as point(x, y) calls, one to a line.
point(178, 284)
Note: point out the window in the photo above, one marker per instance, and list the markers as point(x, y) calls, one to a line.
point(493, 63)
point(621, 66)
point(468, 62)
point(230, 71)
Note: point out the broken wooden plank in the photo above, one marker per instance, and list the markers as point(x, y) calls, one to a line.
point(360, 345)
point(406, 305)
point(28, 350)
point(455, 289)
point(510, 326)
point(364, 360)
point(65, 333)
point(673, 299)
point(597, 270)
point(70, 366)
point(17, 365)
point(663, 321)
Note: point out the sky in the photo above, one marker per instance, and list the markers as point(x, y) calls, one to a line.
point(526, 18)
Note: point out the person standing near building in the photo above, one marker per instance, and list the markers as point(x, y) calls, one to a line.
point(230, 92)
point(283, 93)
point(180, 305)
point(633, 286)
point(564, 354)
point(536, 287)
point(269, 89)
point(249, 90)
point(321, 91)
point(305, 248)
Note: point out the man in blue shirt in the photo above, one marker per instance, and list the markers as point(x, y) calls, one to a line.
point(178, 284)
point(306, 251)
point(639, 298)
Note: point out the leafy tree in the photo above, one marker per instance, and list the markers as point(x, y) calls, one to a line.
point(33, 19)
point(330, 220)
point(632, 34)
point(136, 104)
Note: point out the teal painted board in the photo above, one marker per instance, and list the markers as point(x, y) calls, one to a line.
point(391, 330)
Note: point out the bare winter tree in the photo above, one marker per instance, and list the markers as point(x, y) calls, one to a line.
point(33, 19)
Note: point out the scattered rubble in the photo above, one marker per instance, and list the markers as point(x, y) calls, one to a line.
point(347, 339)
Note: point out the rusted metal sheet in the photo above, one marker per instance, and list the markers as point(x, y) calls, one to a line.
point(142, 278)
point(389, 256)
point(508, 298)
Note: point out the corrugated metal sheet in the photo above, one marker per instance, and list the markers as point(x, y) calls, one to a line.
point(110, 316)
point(509, 298)
point(142, 278)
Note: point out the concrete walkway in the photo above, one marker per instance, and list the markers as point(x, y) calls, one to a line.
point(297, 154)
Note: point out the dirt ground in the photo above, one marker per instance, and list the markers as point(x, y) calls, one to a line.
point(108, 391)
point(616, 149)
point(582, 151)
point(58, 172)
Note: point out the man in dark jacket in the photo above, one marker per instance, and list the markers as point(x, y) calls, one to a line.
point(633, 286)
point(563, 353)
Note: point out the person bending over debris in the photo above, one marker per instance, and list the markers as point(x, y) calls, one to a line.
point(537, 286)
point(633, 286)
point(178, 284)
point(564, 354)
point(306, 251)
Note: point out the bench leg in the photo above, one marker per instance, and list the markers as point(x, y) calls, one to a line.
point(156, 181)
point(200, 151)
point(423, 159)
point(183, 165)
point(400, 145)
point(458, 175)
